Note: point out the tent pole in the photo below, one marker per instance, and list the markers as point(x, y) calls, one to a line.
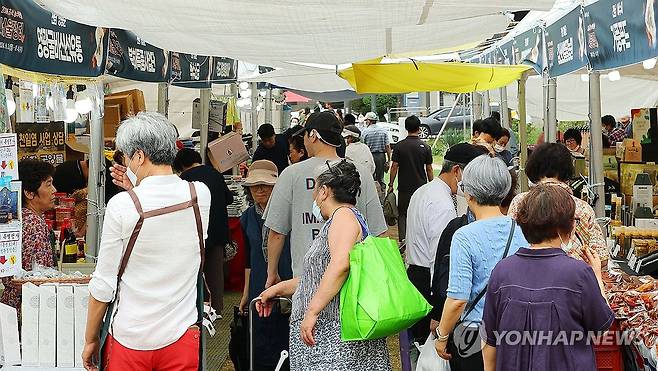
point(472, 111)
point(204, 107)
point(268, 106)
point(445, 123)
point(464, 116)
point(254, 115)
point(596, 142)
point(486, 104)
point(552, 110)
point(96, 181)
point(163, 98)
point(373, 103)
point(477, 106)
point(504, 112)
point(523, 133)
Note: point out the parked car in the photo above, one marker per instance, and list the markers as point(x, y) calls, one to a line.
point(432, 124)
point(396, 131)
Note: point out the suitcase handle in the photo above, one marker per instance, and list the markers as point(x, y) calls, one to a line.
point(252, 309)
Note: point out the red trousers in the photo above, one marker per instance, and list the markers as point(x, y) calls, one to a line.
point(183, 355)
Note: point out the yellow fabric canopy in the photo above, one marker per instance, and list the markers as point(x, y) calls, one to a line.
point(453, 77)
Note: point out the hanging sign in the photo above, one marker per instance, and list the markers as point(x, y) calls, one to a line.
point(34, 39)
point(10, 249)
point(132, 58)
point(224, 70)
point(620, 33)
point(505, 53)
point(9, 156)
point(565, 44)
point(42, 141)
point(528, 48)
point(190, 70)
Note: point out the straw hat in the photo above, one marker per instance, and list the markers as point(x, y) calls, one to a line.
point(261, 172)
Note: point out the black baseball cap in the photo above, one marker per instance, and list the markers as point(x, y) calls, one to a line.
point(463, 153)
point(327, 125)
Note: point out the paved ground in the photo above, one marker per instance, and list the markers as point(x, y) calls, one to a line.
point(217, 346)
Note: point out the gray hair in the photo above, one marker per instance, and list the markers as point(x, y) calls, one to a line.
point(151, 133)
point(487, 180)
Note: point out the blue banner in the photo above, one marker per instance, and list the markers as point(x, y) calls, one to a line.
point(190, 70)
point(620, 33)
point(527, 49)
point(132, 58)
point(34, 39)
point(565, 44)
point(224, 70)
point(505, 53)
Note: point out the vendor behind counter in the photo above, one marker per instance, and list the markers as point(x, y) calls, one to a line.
point(38, 196)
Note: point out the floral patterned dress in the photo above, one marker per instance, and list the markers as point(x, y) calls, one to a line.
point(36, 249)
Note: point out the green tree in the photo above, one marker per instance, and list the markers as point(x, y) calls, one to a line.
point(384, 102)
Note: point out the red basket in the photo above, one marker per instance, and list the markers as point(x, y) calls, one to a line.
point(609, 357)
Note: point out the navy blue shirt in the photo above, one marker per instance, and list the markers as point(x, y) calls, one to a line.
point(277, 154)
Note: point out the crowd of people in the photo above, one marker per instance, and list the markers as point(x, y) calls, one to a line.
point(471, 245)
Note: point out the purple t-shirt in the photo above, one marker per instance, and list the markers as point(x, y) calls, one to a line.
point(540, 308)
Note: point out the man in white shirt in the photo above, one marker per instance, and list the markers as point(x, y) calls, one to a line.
point(357, 152)
point(430, 210)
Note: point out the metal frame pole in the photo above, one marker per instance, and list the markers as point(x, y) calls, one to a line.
point(596, 143)
point(445, 123)
point(504, 112)
point(477, 106)
point(97, 176)
point(464, 116)
point(205, 108)
point(486, 104)
point(373, 103)
point(254, 115)
point(552, 110)
point(163, 98)
point(523, 133)
point(268, 106)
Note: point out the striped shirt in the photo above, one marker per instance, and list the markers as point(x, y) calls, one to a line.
point(376, 137)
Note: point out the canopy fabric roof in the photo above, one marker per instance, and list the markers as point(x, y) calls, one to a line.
point(395, 78)
point(274, 33)
point(303, 78)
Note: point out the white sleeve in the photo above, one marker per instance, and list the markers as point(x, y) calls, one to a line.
point(104, 279)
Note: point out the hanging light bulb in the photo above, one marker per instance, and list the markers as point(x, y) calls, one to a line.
point(262, 93)
point(244, 85)
point(649, 64)
point(614, 76)
point(245, 93)
point(71, 113)
point(83, 101)
point(9, 95)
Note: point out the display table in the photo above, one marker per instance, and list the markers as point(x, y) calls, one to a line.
point(235, 276)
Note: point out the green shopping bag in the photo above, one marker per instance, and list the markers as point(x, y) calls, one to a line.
point(377, 299)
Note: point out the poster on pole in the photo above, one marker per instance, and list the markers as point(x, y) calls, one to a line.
point(42, 141)
point(10, 249)
point(8, 156)
point(565, 44)
point(35, 39)
point(620, 33)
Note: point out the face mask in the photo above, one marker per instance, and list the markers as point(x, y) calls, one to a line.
point(460, 192)
point(499, 148)
point(131, 176)
point(566, 247)
point(317, 213)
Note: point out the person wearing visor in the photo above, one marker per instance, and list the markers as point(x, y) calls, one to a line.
point(289, 212)
point(272, 332)
point(357, 152)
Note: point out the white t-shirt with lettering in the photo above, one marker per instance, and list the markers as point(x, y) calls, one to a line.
point(289, 211)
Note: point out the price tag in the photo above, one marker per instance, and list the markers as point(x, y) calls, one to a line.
point(631, 262)
point(615, 250)
point(638, 265)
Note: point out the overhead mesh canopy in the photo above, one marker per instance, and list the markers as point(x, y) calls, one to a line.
point(319, 31)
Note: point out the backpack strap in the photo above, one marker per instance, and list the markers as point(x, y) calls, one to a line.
point(133, 236)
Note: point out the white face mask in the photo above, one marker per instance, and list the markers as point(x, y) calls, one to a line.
point(131, 175)
point(566, 247)
point(317, 213)
point(499, 148)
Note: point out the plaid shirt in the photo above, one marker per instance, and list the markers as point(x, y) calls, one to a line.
point(616, 135)
point(376, 137)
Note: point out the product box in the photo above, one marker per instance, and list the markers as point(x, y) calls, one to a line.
point(30, 324)
point(227, 152)
point(80, 304)
point(642, 192)
point(47, 324)
point(65, 338)
point(632, 150)
point(9, 346)
point(111, 120)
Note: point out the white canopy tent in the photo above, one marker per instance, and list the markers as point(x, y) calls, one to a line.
point(274, 33)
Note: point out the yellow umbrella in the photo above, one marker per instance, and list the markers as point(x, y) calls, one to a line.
point(453, 77)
